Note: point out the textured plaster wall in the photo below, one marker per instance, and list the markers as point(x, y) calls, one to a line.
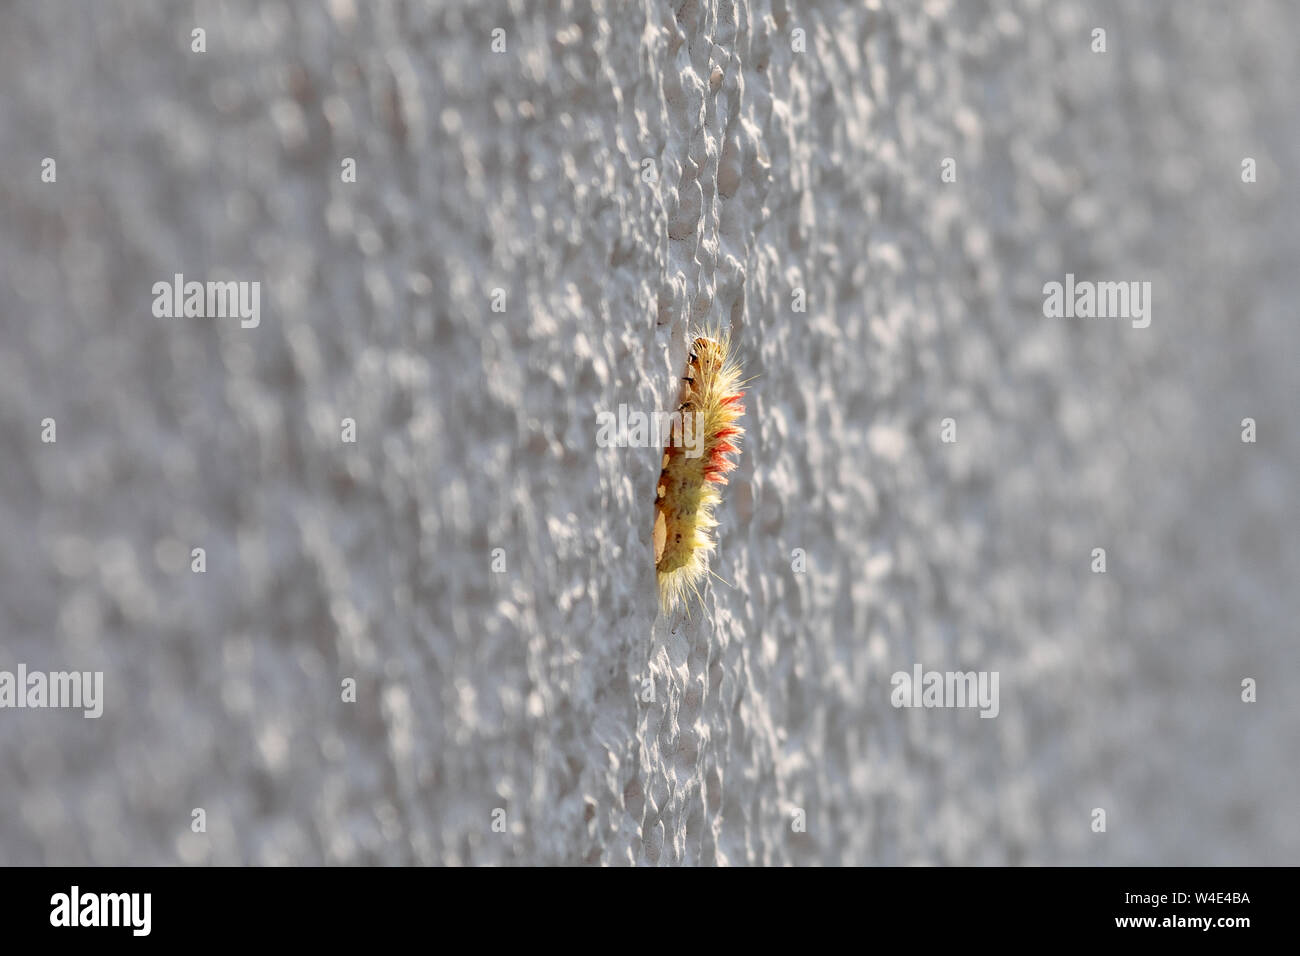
point(524, 171)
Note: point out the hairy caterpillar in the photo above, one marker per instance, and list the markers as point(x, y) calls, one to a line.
point(687, 492)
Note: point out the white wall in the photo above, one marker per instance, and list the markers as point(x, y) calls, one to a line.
point(476, 430)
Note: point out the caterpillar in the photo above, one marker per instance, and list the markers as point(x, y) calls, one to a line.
point(687, 492)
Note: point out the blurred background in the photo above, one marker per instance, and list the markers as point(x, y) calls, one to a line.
point(607, 175)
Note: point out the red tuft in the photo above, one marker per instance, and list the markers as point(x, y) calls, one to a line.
point(733, 399)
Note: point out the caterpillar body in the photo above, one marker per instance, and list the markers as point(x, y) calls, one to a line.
point(688, 490)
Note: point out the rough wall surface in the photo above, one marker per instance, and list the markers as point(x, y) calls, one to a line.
point(621, 172)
